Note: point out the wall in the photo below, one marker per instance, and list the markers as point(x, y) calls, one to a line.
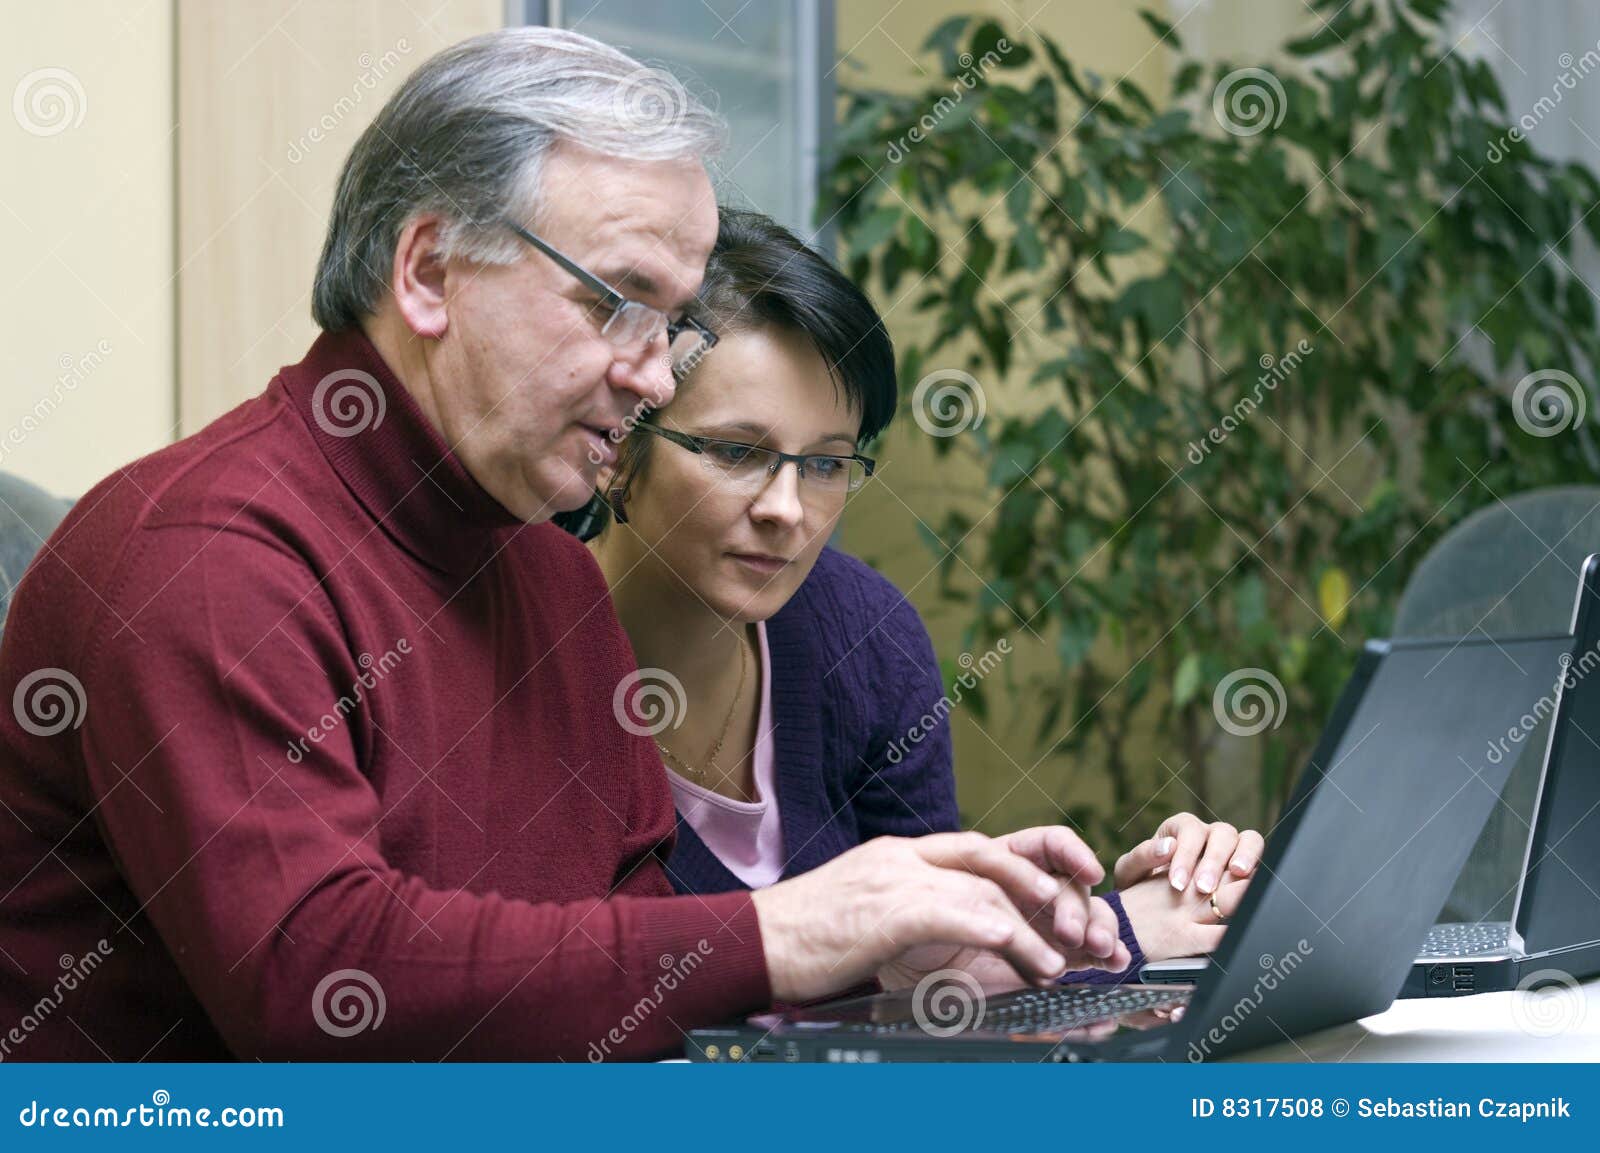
point(86, 225)
point(163, 217)
point(272, 97)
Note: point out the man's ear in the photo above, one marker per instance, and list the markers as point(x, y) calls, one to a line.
point(418, 278)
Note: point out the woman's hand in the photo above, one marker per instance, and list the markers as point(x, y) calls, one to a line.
point(1186, 848)
point(1169, 923)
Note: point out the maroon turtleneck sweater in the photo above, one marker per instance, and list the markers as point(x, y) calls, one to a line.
point(324, 705)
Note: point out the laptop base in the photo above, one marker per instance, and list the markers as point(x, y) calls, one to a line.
point(1466, 976)
point(1066, 1023)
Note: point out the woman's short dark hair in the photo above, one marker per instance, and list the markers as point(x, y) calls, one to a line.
point(762, 275)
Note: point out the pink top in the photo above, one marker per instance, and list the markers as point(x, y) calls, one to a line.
point(746, 836)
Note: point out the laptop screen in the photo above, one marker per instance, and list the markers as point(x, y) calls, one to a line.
point(1412, 763)
point(1559, 903)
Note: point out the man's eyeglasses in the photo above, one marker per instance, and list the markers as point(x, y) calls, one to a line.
point(630, 323)
point(750, 466)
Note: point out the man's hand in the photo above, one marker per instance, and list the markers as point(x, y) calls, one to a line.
point(835, 926)
point(1186, 848)
point(1076, 923)
point(1082, 927)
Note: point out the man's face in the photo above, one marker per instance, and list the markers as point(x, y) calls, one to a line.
point(526, 387)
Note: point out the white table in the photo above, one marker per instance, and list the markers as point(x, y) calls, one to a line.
point(1554, 1026)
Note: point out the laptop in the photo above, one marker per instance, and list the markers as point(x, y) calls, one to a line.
point(1555, 921)
point(1352, 877)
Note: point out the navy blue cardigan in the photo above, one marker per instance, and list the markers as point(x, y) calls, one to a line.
point(854, 681)
point(853, 672)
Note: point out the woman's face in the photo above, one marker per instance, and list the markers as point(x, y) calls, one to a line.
point(743, 548)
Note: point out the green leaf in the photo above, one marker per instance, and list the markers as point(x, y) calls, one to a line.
point(1120, 241)
point(1186, 680)
point(1157, 301)
point(946, 40)
point(1078, 630)
point(1019, 200)
point(1163, 30)
point(1168, 126)
point(1026, 251)
point(1249, 603)
point(878, 226)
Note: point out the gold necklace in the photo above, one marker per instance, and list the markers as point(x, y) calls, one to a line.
point(699, 774)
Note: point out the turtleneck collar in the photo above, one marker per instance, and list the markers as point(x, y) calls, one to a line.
point(390, 455)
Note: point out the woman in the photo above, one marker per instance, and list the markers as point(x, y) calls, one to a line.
point(808, 677)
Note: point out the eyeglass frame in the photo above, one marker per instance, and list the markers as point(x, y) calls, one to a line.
point(697, 445)
point(610, 297)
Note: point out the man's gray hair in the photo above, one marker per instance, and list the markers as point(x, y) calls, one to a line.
point(466, 136)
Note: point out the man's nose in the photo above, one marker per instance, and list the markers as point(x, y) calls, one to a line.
point(644, 370)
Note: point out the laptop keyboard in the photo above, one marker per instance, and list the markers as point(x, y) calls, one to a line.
point(1466, 939)
point(1049, 1010)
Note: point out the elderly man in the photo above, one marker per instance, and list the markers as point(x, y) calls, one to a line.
point(313, 749)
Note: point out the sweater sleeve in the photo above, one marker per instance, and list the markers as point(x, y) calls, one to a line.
point(1125, 931)
point(265, 876)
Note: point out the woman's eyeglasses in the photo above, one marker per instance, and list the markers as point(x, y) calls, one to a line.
point(630, 323)
point(751, 466)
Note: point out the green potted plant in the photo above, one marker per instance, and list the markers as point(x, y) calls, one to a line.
point(1261, 341)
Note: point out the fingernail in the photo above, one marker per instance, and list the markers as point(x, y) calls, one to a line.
point(1100, 943)
point(1164, 846)
point(1241, 864)
point(1047, 887)
point(1177, 1013)
point(1056, 960)
point(1206, 882)
point(1179, 878)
